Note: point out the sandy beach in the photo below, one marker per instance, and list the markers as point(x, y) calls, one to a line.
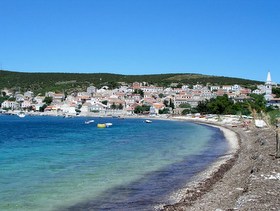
point(246, 178)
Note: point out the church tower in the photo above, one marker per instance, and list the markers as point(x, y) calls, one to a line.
point(268, 87)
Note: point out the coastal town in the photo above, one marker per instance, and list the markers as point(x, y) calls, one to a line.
point(130, 99)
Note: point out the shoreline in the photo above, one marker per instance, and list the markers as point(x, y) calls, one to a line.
point(249, 180)
point(202, 182)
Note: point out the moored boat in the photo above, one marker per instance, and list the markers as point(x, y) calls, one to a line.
point(21, 114)
point(101, 125)
point(108, 124)
point(89, 121)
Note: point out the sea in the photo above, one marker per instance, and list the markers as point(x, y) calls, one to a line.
point(54, 163)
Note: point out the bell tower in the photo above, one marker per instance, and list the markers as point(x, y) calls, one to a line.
point(268, 87)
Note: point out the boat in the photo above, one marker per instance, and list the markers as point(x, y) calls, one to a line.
point(108, 124)
point(89, 121)
point(101, 125)
point(21, 114)
point(148, 121)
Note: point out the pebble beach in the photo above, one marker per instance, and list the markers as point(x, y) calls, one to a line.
point(247, 178)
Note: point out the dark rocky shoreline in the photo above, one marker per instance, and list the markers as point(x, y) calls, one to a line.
point(250, 180)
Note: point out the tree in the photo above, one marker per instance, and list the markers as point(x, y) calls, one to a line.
point(139, 91)
point(138, 110)
point(185, 111)
point(120, 106)
point(276, 91)
point(2, 99)
point(113, 106)
point(105, 102)
point(42, 108)
point(171, 104)
point(202, 107)
point(141, 109)
point(166, 103)
point(164, 111)
point(161, 95)
point(258, 102)
point(185, 105)
point(48, 100)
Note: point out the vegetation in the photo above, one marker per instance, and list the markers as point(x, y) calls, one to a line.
point(73, 82)
point(224, 105)
point(139, 91)
point(141, 109)
point(164, 111)
point(276, 91)
point(2, 99)
point(273, 115)
point(185, 105)
point(48, 100)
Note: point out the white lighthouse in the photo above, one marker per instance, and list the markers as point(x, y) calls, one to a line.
point(268, 87)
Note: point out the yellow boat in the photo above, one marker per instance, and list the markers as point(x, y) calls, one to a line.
point(101, 125)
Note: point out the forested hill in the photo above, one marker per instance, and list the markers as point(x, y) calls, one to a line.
point(41, 82)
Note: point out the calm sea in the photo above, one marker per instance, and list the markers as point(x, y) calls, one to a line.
point(54, 163)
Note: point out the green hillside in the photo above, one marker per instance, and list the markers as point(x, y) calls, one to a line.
point(69, 82)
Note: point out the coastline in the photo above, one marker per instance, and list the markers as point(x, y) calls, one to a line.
point(248, 178)
point(203, 181)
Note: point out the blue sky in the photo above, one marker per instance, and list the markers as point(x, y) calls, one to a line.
point(237, 38)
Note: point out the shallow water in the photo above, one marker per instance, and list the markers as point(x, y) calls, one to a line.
point(53, 163)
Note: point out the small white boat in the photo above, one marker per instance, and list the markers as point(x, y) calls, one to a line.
point(21, 115)
point(148, 121)
point(108, 124)
point(89, 121)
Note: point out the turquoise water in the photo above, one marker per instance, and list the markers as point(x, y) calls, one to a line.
point(53, 163)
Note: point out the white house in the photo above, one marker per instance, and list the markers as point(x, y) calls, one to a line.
point(28, 94)
point(257, 91)
point(26, 104)
point(10, 104)
point(39, 99)
point(235, 87)
point(214, 88)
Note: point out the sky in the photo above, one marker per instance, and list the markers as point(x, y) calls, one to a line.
point(235, 38)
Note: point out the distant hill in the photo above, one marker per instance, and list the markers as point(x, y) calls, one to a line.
point(69, 82)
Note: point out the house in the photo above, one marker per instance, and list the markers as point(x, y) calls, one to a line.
point(86, 107)
point(214, 88)
point(179, 101)
point(257, 91)
point(129, 111)
point(245, 91)
point(68, 108)
point(10, 105)
point(39, 99)
point(156, 107)
point(227, 88)
point(26, 104)
point(6, 92)
point(58, 97)
point(98, 107)
point(136, 85)
point(19, 97)
point(274, 102)
point(91, 90)
point(235, 88)
point(28, 95)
